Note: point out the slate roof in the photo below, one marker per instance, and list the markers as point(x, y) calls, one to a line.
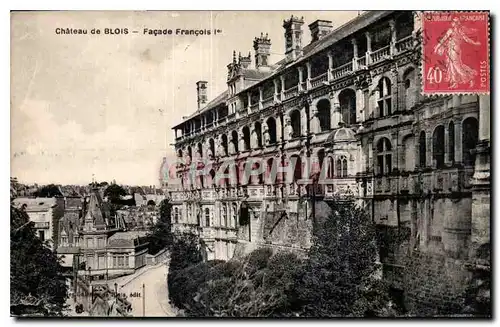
point(358, 23)
point(35, 204)
point(128, 239)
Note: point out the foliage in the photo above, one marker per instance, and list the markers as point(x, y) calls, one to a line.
point(339, 277)
point(161, 234)
point(255, 286)
point(38, 286)
point(48, 191)
point(114, 192)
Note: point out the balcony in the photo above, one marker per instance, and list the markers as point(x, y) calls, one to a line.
point(207, 233)
point(340, 187)
point(226, 233)
point(255, 192)
point(42, 224)
point(342, 71)
point(267, 102)
point(380, 54)
point(404, 44)
point(361, 62)
point(318, 80)
point(291, 92)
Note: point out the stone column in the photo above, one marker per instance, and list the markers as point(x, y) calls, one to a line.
point(301, 77)
point(276, 90)
point(360, 105)
point(249, 99)
point(429, 158)
point(446, 145)
point(392, 46)
point(355, 54)
point(315, 128)
point(330, 66)
point(308, 82)
point(282, 95)
point(458, 139)
point(241, 140)
point(368, 47)
point(261, 96)
point(253, 137)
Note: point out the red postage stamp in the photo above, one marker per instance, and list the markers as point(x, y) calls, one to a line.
point(456, 56)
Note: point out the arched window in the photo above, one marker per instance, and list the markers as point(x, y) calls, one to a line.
point(207, 217)
point(385, 97)
point(324, 114)
point(341, 166)
point(422, 149)
point(438, 146)
point(224, 144)
point(179, 153)
point(234, 140)
point(297, 170)
point(321, 159)
point(211, 143)
point(330, 168)
point(271, 125)
point(296, 123)
point(451, 142)
point(190, 154)
point(246, 137)
point(176, 215)
point(347, 102)
point(258, 133)
point(469, 140)
point(200, 150)
point(384, 156)
point(270, 171)
point(212, 177)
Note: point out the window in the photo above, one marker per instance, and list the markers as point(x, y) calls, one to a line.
point(341, 166)
point(438, 146)
point(422, 149)
point(234, 140)
point(207, 217)
point(409, 88)
point(385, 98)
point(451, 142)
point(384, 156)
point(469, 140)
point(211, 143)
point(176, 215)
point(296, 123)
point(258, 133)
point(101, 242)
point(271, 125)
point(224, 144)
point(246, 137)
point(347, 102)
point(101, 262)
point(41, 235)
point(297, 172)
point(64, 240)
point(324, 115)
point(235, 215)
point(330, 168)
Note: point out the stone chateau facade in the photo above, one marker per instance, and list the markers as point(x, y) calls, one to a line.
point(349, 101)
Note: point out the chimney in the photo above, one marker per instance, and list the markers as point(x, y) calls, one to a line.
point(201, 90)
point(319, 29)
point(293, 36)
point(262, 47)
point(245, 61)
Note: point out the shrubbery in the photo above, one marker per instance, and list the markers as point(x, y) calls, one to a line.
point(338, 277)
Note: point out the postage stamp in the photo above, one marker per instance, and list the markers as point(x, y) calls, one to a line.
point(455, 53)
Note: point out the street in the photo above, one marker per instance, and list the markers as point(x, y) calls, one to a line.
point(156, 292)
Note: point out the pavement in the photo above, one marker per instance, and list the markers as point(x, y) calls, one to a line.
point(155, 297)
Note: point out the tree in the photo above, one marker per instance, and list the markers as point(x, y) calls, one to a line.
point(161, 234)
point(38, 286)
point(339, 278)
point(114, 192)
point(48, 191)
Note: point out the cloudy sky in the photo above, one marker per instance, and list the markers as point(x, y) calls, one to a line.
point(104, 105)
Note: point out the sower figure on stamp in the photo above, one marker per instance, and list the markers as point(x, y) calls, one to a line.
point(450, 46)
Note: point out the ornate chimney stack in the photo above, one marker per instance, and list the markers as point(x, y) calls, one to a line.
point(293, 36)
point(201, 90)
point(262, 47)
point(245, 62)
point(319, 29)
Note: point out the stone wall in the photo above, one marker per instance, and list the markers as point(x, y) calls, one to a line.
point(434, 284)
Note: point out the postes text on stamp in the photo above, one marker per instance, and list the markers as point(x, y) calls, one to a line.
point(455, 53)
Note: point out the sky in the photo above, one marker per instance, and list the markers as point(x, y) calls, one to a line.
point(103, 106)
